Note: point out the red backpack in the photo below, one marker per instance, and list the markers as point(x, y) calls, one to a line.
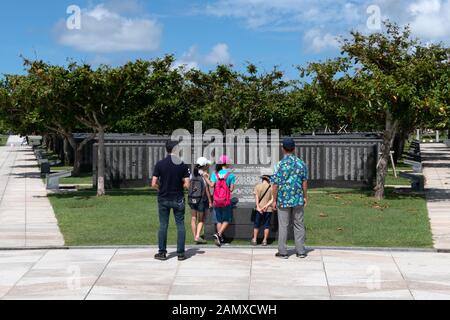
point(222, 193)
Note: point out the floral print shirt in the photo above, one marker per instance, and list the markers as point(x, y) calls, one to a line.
point(290, 173)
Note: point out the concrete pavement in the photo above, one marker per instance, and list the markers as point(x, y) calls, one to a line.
point(27, 220)
point(225, 274)
point(436, 162)
point(26, 215)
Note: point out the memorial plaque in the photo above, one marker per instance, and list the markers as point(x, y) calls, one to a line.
point(247, 177)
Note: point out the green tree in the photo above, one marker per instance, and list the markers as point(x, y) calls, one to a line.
point(260, 97)
point(212, 96)
point(14, 97)
point(161, 107)
point(51, 97)
point(104, 96)
point(228, 99)
point(383, 76)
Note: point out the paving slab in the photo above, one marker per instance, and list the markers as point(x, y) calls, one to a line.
point(27, 218)
point(223, 274)
point(61, 275)
point(436, 163)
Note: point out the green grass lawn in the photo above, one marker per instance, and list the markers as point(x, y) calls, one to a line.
point(391, 180)
point(3, 140)
point(335, 217)
point(352, 218)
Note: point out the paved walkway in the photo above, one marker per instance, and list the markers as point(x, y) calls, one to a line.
point(15, 141)
point(436, 161)
point(122, 274)
point(26, 216)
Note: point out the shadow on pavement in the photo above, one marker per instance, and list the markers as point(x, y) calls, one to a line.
point(438, 195)
point(189, 253)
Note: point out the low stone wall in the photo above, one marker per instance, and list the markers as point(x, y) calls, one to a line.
point(242, 227)
point(344, 161)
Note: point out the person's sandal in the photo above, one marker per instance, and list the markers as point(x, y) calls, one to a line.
point(264, 243)
point(254, 243)
point(200, 241)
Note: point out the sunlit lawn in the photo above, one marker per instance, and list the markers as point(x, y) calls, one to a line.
point(335, 217)
point(391, 180)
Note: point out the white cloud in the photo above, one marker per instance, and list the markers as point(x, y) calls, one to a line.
point(104, 31)
point(283, 14)
point(219, 55)
point(189, 60)
point(425, 7)
point(317, 41)
point(193, 59)
point(428, 18)
point(320, 22)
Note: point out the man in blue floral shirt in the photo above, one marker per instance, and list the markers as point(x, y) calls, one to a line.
point(291, 197)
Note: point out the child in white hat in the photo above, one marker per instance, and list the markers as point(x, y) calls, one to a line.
point(200, 199)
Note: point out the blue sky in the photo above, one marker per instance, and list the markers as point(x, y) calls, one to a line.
point(203, 33)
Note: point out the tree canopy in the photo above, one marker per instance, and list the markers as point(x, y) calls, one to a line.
point(390, 78)
point(387, 81)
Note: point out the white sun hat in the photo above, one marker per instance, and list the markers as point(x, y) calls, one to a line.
point(202, 162)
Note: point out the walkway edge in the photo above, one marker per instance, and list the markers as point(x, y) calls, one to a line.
point(152, 247)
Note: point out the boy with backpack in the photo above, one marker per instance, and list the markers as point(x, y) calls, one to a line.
point(199, 198)
point(223, 182)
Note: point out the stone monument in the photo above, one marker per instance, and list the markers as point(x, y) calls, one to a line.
point(247, 177)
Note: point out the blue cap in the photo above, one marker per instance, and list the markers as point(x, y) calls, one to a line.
point(288, 143)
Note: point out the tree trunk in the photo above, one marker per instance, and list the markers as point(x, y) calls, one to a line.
point(53, 147)
point(50, 142)
point(45, 140)
point(78, 152)
point(77, 155)
point(101, 163)
point(396, 146)
point(66, 152)
point(54, 143)
point(399, 144)
point(382, 168)
point(403, 138)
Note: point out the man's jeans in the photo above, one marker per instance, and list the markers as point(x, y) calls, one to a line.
point(178, 206)
point(284, 219)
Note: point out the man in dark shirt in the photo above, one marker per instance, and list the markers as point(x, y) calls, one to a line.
point(170, 178)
